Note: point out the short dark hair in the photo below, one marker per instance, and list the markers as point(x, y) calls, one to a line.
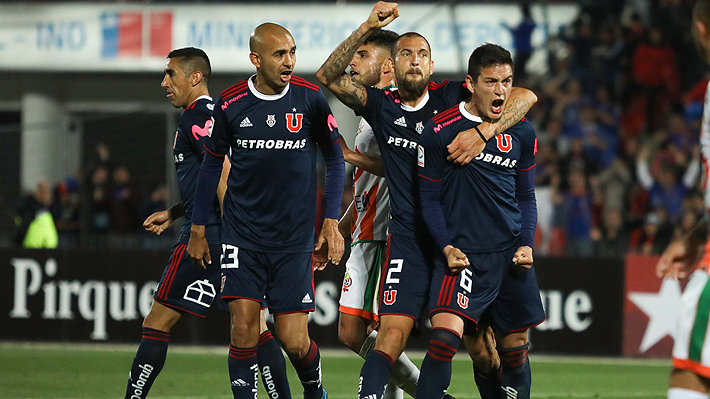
point(485, 56)
point(382, 38)
point(409, 34)
point(192, 60)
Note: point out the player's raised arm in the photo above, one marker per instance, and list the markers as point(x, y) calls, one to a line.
point(332, 72)
point(469, 143)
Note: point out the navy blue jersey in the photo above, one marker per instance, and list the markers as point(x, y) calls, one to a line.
point(397, 128)
point(189, 145)
point(270, 203)
point(479, 199)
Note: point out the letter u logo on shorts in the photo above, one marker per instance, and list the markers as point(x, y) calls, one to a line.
point(462, 301)
point(294, 128)
point(505, 142)
point(390, 296)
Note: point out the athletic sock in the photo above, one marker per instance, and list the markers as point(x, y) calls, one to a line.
point(243, 372)
point(273, 367)
point(374, 375)
point(393, 391)
point(309, 372)
point(681, 393)
point(405, 374)
point(436, 367)
point(488, 382)
point(515, 378)
point(149, 360)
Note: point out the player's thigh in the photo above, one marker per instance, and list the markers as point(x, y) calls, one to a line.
point(359, 294)
point(161, 317)
point(406, 273)
point(244, 274)
point(691, 348)
point(290, 288)
point(185, 287)
point(518, 305)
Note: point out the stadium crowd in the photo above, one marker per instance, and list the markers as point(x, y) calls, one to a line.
point(618, 122)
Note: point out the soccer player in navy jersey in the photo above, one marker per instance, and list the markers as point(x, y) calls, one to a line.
point(397, 117)
point(482, 217)
point(273, 124)
point(183, 287)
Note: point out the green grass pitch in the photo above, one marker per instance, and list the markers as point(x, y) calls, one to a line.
point(100, 371)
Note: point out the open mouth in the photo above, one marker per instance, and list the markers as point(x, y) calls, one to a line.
point(353, 73)
point(497, 106)
point(286, 76)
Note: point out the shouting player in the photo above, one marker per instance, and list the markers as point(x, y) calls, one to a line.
point(183, 286)
point(397, 117)
point(367, 220)
point(482, 217)
point(690, 377)
point(271, 125)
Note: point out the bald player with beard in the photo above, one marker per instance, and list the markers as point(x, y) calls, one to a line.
point(271, 126)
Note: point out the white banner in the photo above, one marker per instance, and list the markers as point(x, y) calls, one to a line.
point(125, 38)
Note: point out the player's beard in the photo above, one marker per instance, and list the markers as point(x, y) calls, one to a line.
point(411, 88)
point(371, 77)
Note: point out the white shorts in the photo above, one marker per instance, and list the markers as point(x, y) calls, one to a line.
point(691, 349)
point(360, 292)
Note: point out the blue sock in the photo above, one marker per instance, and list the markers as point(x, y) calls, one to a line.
point(435, 375)
point(309, 372)
point(273, 367)
point(374, 375)
point(488, 382)
point(243, 372)
point(149, 360)
point(515, 377)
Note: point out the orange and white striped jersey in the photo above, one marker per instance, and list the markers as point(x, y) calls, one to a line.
point(705, 157)
point(370, 193)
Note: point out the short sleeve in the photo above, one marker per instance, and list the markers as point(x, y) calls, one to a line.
point(528, 140)
point(219, 143)
point(431, 156)
point(196, 126)
point(324, 128)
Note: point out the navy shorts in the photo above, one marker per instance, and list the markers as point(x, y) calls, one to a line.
point(489, 290)
point(186, 287)
point(405, 277)
point(285, 281)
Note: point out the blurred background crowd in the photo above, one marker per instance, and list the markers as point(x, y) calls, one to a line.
point(618, 162)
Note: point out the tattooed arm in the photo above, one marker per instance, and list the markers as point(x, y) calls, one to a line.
point(468, 144)
point(332, 72)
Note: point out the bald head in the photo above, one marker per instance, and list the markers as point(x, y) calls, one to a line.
point(264, 33)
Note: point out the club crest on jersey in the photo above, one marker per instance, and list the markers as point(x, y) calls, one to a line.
point(291, 125)
point(420, 156)
point(420, 127)
point(271, 120)
point(390, 296)
point(504, 142)
point(462, 301)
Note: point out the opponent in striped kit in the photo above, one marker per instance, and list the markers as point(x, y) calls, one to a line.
point(690, 377)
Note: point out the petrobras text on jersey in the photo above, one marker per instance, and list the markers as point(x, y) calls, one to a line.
point(121, 300)
point(254, 144)
point(402, 142)
point(496, 160)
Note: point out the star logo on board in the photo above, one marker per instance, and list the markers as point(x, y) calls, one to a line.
point(661, 308)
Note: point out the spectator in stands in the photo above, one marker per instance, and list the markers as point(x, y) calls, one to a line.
point(522, 44)
point(653, 237)
point(65, 212)
point(574, 214)
point(125, 202)
point(35, 225)
point(99, 201)
point(612, 239)
point(614, 182)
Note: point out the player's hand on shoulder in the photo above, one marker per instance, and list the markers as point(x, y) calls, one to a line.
point(382, 14)
point(157, 222)
point(197, 248)
point(468, 144)
point(523, 258)
point(330, 245)
point(456, 259)
point(675, 262)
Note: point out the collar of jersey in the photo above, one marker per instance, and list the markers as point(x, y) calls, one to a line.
point(206, 97)
point(468, 115)
point(267, 97)
point(418, 106)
